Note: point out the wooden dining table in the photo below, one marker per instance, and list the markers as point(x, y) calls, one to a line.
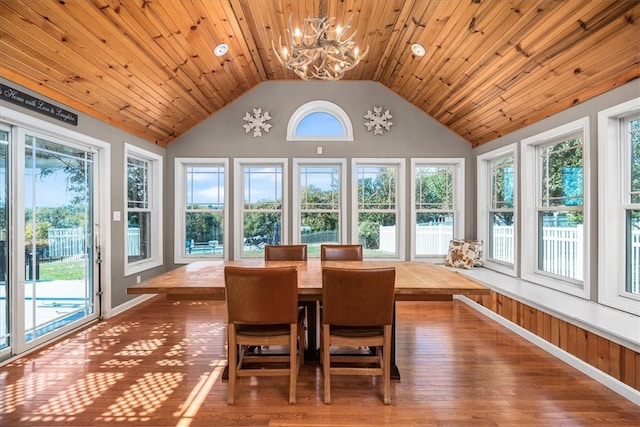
point(415, 281)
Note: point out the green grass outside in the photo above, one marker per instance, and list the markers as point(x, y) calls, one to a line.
point(62, 270)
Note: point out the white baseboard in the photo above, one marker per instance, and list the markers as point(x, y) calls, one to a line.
point(129, 304)
point(608, 381)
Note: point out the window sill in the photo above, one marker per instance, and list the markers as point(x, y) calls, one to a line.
point(616, 325)
point(140, 267)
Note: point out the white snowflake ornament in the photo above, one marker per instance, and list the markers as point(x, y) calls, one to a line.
point(378, 121)
point(257, 122)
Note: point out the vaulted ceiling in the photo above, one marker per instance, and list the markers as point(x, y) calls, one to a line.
point(491, 67)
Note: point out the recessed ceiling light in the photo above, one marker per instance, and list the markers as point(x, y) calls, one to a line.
point(221, 49)
point(418, 49)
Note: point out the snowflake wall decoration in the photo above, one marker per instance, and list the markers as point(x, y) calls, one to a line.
point(378, 121)
point(257, 122)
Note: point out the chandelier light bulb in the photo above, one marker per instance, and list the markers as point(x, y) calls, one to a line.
point(317, 50)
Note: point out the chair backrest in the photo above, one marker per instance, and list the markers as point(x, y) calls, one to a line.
point(285, 253)
point(264, 295)
point(341, 252)
point(358, 297)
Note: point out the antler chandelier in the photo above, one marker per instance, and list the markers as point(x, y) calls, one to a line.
point(319, 51)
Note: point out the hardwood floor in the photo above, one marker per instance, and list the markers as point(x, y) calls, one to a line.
point(160, 364)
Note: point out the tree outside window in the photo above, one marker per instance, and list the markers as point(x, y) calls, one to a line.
point(377, 208)
point(320, 201)
point(632, 246)
point(434, 208)
point(501, 244)
point(204, 210)
point(138, 210)
point(560, 208)
point(262, 208)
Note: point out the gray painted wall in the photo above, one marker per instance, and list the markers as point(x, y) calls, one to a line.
point(413, 134)
point(116, 138)
point(589, 109)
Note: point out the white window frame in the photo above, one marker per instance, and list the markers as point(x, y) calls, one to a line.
point(102, 206)
point(529, 209)
point(484, 206)
point(400, 192)
point(297, 222)
point(156, 183)
point(181, 165)
point(319, 106)
point(613, 188)
point(458, 201)
point(238, 165)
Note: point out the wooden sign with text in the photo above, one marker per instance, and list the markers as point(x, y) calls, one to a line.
point(34, 104)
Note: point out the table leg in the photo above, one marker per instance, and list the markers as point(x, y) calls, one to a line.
point(395, 372)
point(312, 352)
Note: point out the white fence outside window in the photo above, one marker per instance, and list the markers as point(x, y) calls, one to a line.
point(66, 243)
point(433, 239)
point(133, 241)
point(635, 261)
point(430, 239)
point(563, 247)
point(69, 243)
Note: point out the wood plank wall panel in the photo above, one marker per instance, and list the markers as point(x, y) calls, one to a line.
point(610, 357)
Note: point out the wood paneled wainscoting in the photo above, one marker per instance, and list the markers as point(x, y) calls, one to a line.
point(613, 359)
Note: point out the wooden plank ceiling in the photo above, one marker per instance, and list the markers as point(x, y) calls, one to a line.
point(491, 67)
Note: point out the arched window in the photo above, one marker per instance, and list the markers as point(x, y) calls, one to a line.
point(319, 121)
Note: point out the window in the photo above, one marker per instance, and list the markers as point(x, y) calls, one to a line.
point(261, 203)
point(319, 196)
point(143, 234)
point(497, 175)
point(437, 205)
point(319, 121)
point(201, 214)
point(619, 208)
point(378, 186)
point(555, 235)
point(631, 141)
point(5, 234)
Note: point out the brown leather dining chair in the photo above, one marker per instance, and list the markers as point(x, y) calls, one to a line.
point(357, 312)
point(285, 253)
point(262, 310)
point(292, 253)
point(341, 252)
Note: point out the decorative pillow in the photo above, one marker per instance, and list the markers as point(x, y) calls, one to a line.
point(464, 254)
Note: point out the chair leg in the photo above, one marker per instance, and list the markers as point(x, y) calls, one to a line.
point(326, 364)
point(386, 369)
point(293, 363)
point(232, 360)
point(301, 346)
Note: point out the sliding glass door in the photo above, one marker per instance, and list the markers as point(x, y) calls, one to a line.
point(56, 248)
point(4, 242)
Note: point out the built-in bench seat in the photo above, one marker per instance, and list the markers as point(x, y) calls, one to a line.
point(583, 333)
